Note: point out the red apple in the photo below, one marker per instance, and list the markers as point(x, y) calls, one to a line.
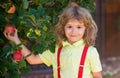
point(17, 56)
point(18, 51)
point(11, 9)
point(10, 29)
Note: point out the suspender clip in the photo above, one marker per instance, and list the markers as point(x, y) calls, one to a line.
point(81, 65)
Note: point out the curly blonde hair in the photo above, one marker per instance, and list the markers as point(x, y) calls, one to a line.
point(82, 15)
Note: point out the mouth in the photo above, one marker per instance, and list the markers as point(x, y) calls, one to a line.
point(73, 36)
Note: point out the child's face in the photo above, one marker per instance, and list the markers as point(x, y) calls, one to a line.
point(74, 30)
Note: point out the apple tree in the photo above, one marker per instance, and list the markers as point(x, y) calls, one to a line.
point(35, 21)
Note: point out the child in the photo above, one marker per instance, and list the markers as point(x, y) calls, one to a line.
point(75, 29)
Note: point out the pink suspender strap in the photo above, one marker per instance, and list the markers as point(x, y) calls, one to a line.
point(81, 61)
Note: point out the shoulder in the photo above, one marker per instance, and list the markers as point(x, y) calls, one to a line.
point(92, 51)
point(92, 48)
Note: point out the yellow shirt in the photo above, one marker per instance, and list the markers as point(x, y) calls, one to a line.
point(70, 60)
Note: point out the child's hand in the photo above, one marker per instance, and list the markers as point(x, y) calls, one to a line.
point(14, 38)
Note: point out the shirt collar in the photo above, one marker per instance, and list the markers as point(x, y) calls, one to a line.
point(78, 43)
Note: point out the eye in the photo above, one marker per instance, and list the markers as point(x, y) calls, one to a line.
point(69, 26)
point(79, 27)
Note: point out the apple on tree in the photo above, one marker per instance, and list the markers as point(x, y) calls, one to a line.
point(17, 56)
point(11, 9)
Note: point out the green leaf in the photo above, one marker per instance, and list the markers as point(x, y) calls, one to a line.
point(25, 70)
point(14, 74)
point(41, 10)
point(44, 1)
point(12, 66)
point(6, 49)
point(45, 28)
point(63, 1)
point(12, 44)
point(1, 40)
point(38, 48)
point(22, 63)
point(32, 11)
point(25, 4)
point(52, 47)
point(46, 18)
point(18, 46)
point(32, 17)
point(3, 69)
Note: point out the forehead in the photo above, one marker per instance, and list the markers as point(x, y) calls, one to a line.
point(74, 21)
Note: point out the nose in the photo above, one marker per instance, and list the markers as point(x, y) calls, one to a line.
point(74, 30)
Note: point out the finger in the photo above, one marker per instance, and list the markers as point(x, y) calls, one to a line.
point(5, 34)
point(9, 36)
point(16, 30)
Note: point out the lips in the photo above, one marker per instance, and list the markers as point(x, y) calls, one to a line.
point(73, 35)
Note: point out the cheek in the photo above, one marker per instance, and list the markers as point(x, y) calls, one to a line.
point(67, 31)
point(81, 32)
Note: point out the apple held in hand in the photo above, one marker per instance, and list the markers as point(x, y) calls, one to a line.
point(10, 29)
point(17, 56)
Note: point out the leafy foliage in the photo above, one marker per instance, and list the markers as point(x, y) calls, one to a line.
point(35, 21)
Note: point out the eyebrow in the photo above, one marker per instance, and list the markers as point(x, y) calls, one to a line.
point(68, 24)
